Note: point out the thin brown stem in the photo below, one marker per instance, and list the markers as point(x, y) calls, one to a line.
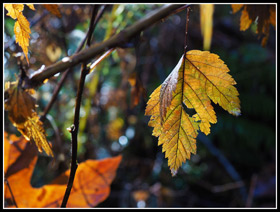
point(74, 134)
point(186, 33)
point(92, 23)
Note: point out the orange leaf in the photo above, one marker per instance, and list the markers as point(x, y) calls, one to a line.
point(236, 7)
point(53, 8)
point(91, 185)
point(201, 79)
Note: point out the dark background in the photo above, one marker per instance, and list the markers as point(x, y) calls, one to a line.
point(234, 165)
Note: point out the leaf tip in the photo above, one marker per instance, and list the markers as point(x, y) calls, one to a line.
point(174, 172)
point(236, 112)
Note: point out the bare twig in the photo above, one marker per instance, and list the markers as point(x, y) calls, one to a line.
point(117, 40)
point(75, 127)
point(74, 133)
point(92, 23)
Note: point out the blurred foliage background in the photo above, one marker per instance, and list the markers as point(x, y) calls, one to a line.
point(112, 118)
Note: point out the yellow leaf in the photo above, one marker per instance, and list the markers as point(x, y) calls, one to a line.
point(14, 10)
point(31, 6)
point(53, 8)
point(21, 27)
point(22, 31)
point(206, 24)
point(21, 111)
point(33, 129)
point(153, 110)
point(202, 77)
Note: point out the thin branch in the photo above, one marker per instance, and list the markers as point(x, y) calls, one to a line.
point(75, 127)
point(92, 23)
point(74, 133)
point(117, 40)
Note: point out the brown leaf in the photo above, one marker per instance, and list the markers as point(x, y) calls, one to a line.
point(19, 103)
point(167, 89)
point(21, 111)
point(53, 8)
point(91, 185)
point(264, 14)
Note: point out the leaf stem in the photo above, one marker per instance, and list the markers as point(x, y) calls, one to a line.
point(186, 33)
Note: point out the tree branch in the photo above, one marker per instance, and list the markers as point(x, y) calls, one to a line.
point(92, 25)
point(115, 41)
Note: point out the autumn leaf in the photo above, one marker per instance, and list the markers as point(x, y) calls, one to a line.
point(53, 8)
point(22, 31)
point(206, 24)
point(91, 185)
point(22, 27)
point(21, 111)
point(191, 86)
point(264, 15)
point(31, 6)
point(14, 10)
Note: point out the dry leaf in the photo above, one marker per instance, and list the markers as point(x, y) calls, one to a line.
point(91, 185)
point(265, 15)
point(53, 8)
point(201, 79)
point(21, 111)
